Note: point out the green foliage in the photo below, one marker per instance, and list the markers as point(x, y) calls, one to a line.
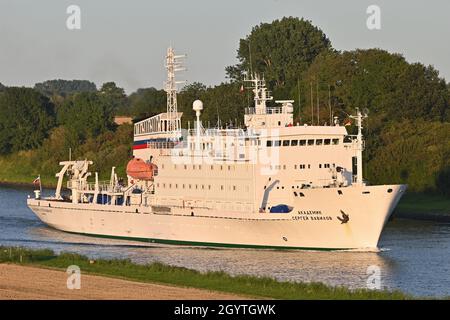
point(187, 96)
point(385, 83)
point(280, 50)
point(86, 115)
point(64, 87)
point(157, 272)
point(25, 118)
point(2, 87)
point(146, 103)
point(112, 148)
point(413, 152)
point(433, 207)
point(115, 97)
point(224, 102)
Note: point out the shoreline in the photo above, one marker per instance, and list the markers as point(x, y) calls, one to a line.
point(243, 286)
point(24, 185)
point(422, 216)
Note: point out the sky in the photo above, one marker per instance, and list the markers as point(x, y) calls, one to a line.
point(126, 41)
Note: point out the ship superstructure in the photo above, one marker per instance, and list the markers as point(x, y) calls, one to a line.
point(273, 183)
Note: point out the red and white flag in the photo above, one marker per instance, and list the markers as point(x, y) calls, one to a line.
point(37, 181)
point(348, 122)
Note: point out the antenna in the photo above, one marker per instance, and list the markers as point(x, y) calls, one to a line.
point(312, 104)
point(250, 56)
point(173, 64)
point(329, 103)
point(318, 111)
point(299, 102)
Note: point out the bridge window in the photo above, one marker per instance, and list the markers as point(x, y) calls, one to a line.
point(327, 141)
point(277, 143)
point(302, 142)
point(294, 143)
point(286, 143)
point(269, 143)
point(335, 141)
point(319, 142)
point(310, 142)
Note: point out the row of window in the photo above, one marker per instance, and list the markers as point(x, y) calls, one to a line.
point(199, 167)
point(196, 186)
point(210, 145)
point(272, 167)
point(303, 166)
point(304, 142)
point(278, 143)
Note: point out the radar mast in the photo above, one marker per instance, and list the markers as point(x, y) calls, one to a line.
point(173, 65)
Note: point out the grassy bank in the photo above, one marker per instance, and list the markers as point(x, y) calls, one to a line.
point(424, 206)
point(164, 274)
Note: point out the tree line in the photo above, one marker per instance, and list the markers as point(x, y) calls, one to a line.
point(407, 132)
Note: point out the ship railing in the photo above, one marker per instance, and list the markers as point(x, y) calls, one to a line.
point(269, 110)
point(103, 186)
point(219, 132)
point(274, 110)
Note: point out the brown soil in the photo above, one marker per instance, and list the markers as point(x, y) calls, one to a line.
point(23, 282)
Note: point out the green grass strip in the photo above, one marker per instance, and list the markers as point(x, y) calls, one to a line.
point(252, 286)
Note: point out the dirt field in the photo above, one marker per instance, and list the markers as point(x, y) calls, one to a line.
point(19, 282)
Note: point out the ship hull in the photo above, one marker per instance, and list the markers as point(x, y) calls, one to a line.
point(321, 219)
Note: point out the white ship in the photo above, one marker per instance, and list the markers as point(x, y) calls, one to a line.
point(271, 184)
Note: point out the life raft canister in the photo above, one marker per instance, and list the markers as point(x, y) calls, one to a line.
point(139, 169)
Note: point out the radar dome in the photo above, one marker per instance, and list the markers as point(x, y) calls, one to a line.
point(289, 107)
point(197, 105)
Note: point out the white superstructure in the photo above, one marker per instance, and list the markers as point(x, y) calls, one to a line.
point(270, 184)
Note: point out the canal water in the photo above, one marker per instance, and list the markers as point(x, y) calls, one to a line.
point(414, 256)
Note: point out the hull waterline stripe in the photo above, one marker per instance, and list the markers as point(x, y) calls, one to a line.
point(204, 244)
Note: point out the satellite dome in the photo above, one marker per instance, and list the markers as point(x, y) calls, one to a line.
point(197, 105)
